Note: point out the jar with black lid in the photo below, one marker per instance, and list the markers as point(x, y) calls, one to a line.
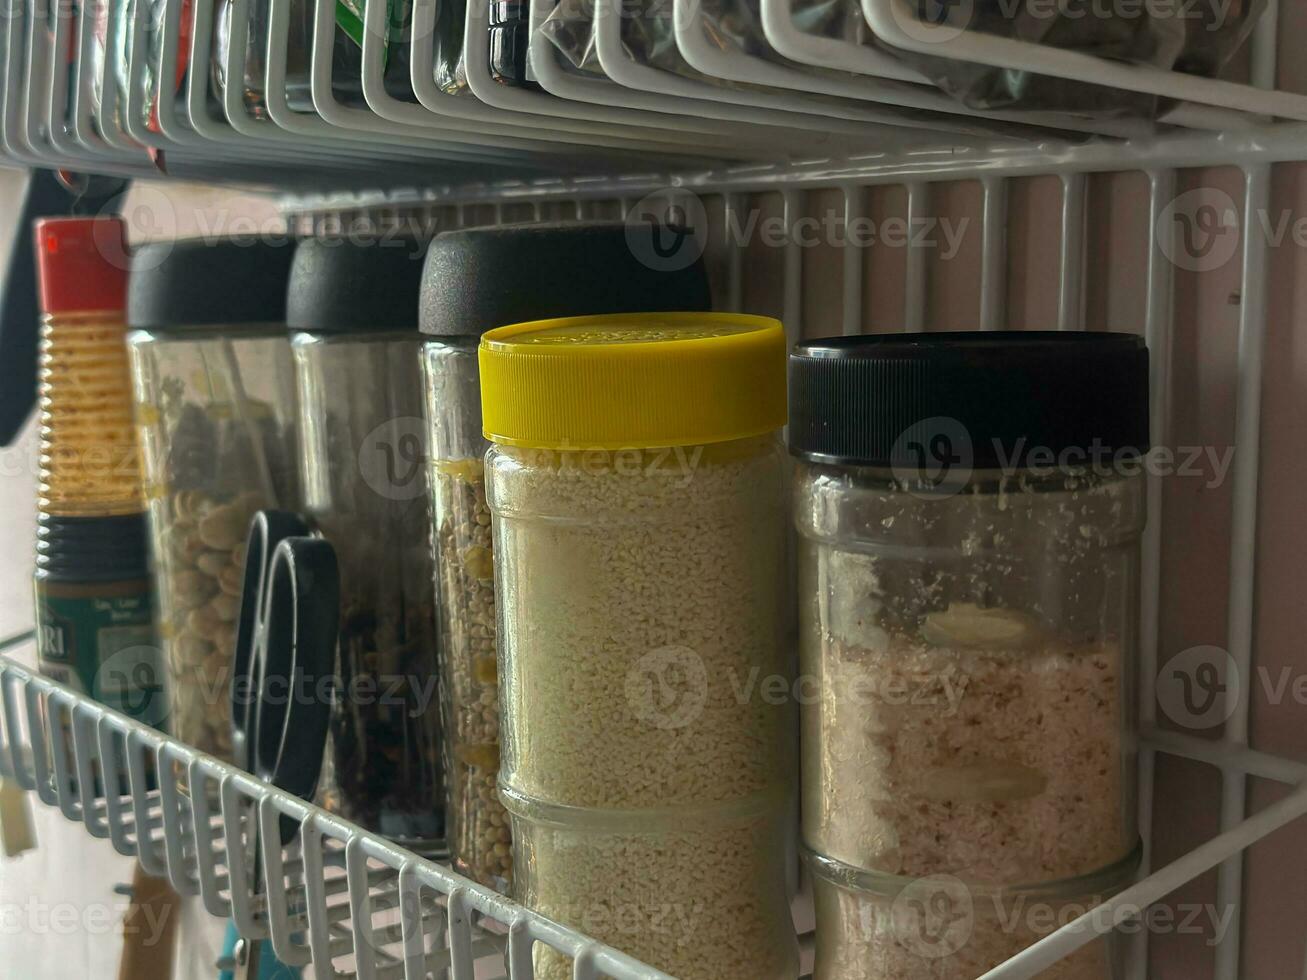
point(353, 308)
point(970, 509)
point(568, 269)
point(215, 410)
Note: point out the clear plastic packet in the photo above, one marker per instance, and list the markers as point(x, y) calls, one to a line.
point(447, 35)
point(156, 11)
point(648, 35)
point(299, 40)
point(1196, 38)
point(510, 35)
point(121, 15)
point(346, 54)
point(99, 11)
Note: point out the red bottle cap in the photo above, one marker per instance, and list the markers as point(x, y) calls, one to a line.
point(82, 264)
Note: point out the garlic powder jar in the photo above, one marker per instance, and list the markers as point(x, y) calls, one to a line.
point(635, 483)
point(970, 508)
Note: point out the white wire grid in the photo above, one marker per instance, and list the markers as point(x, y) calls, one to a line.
point(500, 154)
point(813, 99)
point(1232, 755)
point(349, 902)
point(214, 865)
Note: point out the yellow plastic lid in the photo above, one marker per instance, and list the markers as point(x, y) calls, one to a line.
point(633, 381)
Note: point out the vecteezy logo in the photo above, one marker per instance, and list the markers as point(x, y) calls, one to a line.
point(935, 11)
point(1199, 230)
point(392, 457)
point(666, 232)
point(667, 687)
point(1199, 688)
point(933, 457)
point(132, 681)
point(933, 917)
point(933, 21)
point(150, 215)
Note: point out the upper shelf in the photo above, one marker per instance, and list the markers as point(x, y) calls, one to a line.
point(709, 87)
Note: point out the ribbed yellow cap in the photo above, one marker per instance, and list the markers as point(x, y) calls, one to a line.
point(633, 381)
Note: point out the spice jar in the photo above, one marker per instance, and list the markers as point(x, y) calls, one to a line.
point(94, 614)
point(355, 307)
point(215, 409)
point(970, 507)
point(635, 482)
point(458, 305)
point(872, 926)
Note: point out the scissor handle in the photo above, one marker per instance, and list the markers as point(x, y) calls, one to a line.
point(268, 528)
point(298, 652)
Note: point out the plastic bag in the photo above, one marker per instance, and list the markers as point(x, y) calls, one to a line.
point(1196, 38)
point(648, 36)
point(298, 45)
point(156, 11)
point(346, 53)
point(1193, 37)
point(450, 67)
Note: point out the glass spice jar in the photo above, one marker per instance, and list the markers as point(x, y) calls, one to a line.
point(873, 926)
point(636, 486)
point(354, 308)
point(970, 508)
point(460, 302)
point(215, 409)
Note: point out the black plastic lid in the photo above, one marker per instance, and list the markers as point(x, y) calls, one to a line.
point(1017, 398)
point(482, 278)
point(196, 283)
point(92, 549)
point(355, 287)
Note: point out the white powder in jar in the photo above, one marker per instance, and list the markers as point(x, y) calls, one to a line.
point(939, 930)
point(981, 747)
point(641, 612)
point(704, 902)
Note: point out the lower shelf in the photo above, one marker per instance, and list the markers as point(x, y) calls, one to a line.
point(348, 901)
point(355, 905)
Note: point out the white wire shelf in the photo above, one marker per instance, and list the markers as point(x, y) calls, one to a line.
point(351, 903)
point(355, 905)
point(813, 104)
point(588, 147)
point(733, 191)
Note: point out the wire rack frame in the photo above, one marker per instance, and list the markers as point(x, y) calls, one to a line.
point(195, 826)
point(1232, 755)
point(351, 903)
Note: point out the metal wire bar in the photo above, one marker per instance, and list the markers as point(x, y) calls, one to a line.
point(1071, 293)
point(993, 256)
point(792, 306)
point(1157, 334)
point(855, 202)
point(1243, 543)
point(914, 286)
point(1129, 903)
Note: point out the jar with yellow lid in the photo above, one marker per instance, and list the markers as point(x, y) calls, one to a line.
point(635, 481)
point(459, 304)
point(215, 408)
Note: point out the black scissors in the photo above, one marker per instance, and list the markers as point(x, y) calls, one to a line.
point(285, 653)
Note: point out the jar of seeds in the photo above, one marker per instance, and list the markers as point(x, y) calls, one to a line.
point(457, 308)
point(215, 409)
point(356, 350)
